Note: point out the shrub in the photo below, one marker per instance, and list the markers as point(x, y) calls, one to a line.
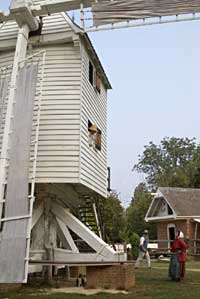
point(134, 241)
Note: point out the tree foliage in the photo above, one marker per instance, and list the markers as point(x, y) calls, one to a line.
point(134, 241)
point(113, 218)
point(175, 162)
point(136, 212)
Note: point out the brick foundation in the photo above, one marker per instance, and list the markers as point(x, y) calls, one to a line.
point(6, 287)
point(121, 277)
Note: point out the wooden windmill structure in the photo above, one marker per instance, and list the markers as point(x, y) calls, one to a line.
point(53, 93)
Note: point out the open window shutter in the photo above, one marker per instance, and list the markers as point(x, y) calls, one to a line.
point(98, 140)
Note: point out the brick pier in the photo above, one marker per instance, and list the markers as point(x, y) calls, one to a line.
point(120, 277)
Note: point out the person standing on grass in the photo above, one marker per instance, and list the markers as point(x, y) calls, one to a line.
point(143, 250)
point(179, 247)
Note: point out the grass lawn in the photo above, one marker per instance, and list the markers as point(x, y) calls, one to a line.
point(150, 283)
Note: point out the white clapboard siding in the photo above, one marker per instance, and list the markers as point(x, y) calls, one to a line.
point(59, 136)
point(68, 102)
point(55, 23)
point(94, 108)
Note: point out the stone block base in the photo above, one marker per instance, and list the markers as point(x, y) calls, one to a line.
point(120, 277)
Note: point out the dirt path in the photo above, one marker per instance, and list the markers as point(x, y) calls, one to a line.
point(82, 291)
point(187, 269)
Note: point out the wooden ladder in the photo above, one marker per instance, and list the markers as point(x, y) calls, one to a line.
point(89, 215)
point(40, 60)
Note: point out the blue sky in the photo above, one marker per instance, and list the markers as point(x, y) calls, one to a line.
point(155, 75)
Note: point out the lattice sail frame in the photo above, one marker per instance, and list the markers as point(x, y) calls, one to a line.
point(115, 14)
point(96, 15)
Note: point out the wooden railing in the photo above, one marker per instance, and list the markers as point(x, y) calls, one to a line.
point(163, 247)
point(159, 247)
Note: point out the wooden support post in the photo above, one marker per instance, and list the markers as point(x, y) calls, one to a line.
point(188, 227)
point(47, 244)
point(195, 237)
point(20, 54)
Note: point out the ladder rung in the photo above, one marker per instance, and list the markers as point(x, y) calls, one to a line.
point(35, 125)
point(27, 259)
point(15, 218)
point(32, 159)
point(4, 158)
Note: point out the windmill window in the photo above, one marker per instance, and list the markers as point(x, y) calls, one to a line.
point(95, 136)
point(94, 78)
point(91, 73)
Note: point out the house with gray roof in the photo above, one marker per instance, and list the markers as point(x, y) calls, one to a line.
point(173, 209)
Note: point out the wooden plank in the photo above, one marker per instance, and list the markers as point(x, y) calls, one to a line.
point(67, 236)
point(14, 234)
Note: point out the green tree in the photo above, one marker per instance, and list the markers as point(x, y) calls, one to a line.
point(113, 218)
point(175, 162)
point(135, 213)
point(134, 240)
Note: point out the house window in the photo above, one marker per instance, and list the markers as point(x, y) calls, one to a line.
point(94, 136)
point(170, 212)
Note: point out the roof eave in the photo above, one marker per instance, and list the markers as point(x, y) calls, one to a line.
point(96, 58)
point(83, 34)
point(163, 218)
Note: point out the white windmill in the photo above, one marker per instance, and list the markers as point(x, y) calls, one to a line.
point(53, 128)
point(53, 100)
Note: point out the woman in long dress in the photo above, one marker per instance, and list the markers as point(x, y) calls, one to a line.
point(178, 259)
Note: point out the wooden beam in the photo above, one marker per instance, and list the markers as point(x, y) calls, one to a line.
point(67, 235)
point(62, 255)
point(37, 213)
point(102, 249)
point(46, 8)
point(51, 7)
